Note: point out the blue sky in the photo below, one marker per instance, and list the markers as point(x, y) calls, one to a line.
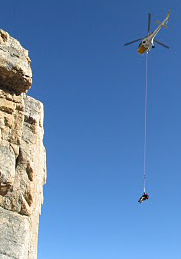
point(93, 92)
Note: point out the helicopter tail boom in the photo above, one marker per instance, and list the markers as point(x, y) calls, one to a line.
point(168, 14)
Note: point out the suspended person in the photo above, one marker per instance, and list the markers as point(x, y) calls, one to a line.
point(144, 197)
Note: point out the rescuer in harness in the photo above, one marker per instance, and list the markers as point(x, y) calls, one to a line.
point(144, 197)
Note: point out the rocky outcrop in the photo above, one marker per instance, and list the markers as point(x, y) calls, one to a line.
point(22, 154)
point(15, 71)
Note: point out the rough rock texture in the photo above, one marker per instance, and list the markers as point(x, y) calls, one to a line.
point(15, 71)
point(22, 162)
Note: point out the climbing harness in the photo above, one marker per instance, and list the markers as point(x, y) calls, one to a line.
point(145, 140)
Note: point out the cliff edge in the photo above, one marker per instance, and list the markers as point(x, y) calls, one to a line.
point(22, 154)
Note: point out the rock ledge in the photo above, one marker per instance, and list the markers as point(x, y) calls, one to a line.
point(15, 70)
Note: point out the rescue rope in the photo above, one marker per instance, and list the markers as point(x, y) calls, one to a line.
point(145, 140)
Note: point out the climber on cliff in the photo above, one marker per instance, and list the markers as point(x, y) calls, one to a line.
point(144, 197)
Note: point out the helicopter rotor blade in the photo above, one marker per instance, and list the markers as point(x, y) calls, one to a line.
point(149, 23)
point(161, 44)
point(126, 44)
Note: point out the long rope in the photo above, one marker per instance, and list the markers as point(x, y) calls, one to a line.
point(145, 141)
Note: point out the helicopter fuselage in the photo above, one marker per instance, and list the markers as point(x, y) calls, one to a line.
point(145, 45)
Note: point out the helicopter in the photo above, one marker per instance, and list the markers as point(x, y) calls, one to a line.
point(147, 42)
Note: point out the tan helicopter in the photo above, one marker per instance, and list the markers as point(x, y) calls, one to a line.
point(147, 42)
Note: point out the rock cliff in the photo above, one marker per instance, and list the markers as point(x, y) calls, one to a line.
point(22, 154)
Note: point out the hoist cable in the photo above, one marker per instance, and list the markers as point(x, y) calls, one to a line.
point(145, 140)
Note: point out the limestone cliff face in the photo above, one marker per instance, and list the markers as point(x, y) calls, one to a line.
point(22, 154)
